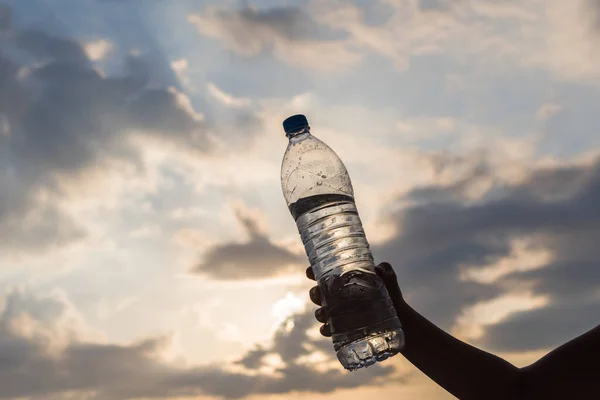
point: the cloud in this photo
(563, 41)
(225, 98)
(287, 32)
(333, 34)
(31, 325)
(257, 258)
(60, 117)
(180, 67)
(445, 234)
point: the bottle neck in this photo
(300, 135)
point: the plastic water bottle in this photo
(364, 325)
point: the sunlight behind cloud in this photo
(98, 49)
(289, 305)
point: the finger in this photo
(321, 315)
(389, 278)
(325, 330)
(315, 295)
(386, 272)
(310, 274)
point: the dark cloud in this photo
(289, 21)
(556, 208)
(41, 45)
(543, 328)
(59, 115)
(253, 358)
(257, 258)
(251, 30)
(30, 326)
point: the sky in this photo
(146, 250)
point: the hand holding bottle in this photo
(383, 270)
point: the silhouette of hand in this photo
(383, 270)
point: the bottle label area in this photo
(334, 239)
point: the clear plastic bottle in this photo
(316, 186)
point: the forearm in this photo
(461, 369)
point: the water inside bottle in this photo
(363, 321)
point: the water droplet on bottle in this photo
(319, 183)
(323, 176)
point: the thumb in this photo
(387, 274)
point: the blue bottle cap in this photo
(295, 123)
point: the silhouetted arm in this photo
(463, 370)
(569, 372)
